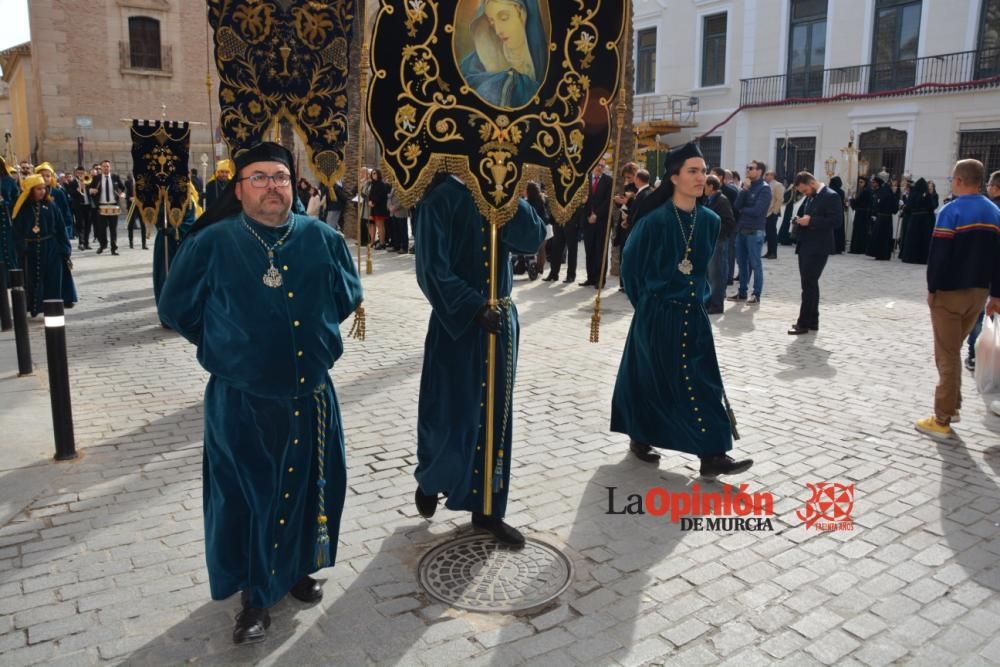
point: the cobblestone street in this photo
(105, 561)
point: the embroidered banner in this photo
(285, 59)
(160, 152)
(497, 92)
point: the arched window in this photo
(144, 42)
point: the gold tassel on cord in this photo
(595, 325)
(358, 327)
(368, 262)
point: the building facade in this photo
(915, 83)
(94, 66)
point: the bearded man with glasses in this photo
(751, 205)
(262, 290)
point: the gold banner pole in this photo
(491, 365)
(620, 109)
(358, 328)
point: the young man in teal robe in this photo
(453, 256)
(262, 292)
(669, 388)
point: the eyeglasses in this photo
(281, 180)
(751, 167)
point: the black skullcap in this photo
(878, 179)
(228, 204)
(674, 160)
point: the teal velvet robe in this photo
(452, 241)
(273, 435)
(8, 197)
(171, 240)
(44, 254)
(61, 201)
(669, 389)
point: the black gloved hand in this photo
(489, 320)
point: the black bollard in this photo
(55, 353)
(6, 323)
(19, 301)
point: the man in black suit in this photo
(107, 189)
(595, 224)
(819, 215)
(83, 207)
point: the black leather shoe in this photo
(114, 252)
(643, 452)
(769, 257)
(723, 464)
(570, 279)
(551, 277)
(426, 505)
(503, 533)
(100, 250)
(307, 590)
(251, 624)
(587, 283)
(796, 330)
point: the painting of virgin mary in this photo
(509, 54)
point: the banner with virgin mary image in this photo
(496, 92)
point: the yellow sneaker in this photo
(932, 427)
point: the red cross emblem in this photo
(831, 503)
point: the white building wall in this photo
(757, 44)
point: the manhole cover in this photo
(476, 573)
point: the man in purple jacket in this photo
(751, 206)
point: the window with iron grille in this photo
(799, 154)
(982, 145)
(144, 42)
(645, 57)
(806, 48)
(711, 148)
(713, 50)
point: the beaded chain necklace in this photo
(686, 266)
(272, 277)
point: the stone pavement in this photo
(104, 562)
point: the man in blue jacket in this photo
(751, 206)
(963, 273)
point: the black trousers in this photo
(595, 245)
(810, 269)
(84, 216)
(134, 222)
(107, 229)
(564, 239)
(771, 234)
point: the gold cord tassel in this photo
(368, 261)
(358, 327)
(595, 324)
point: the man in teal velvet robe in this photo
(669, 388)
(167, 243)
(453, 254)
(262, 292)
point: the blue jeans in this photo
(718, 273)
(977, 328)
(748, 247)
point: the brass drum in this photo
(109, 209)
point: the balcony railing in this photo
(919, 76)
(679, 110)
(136, 65)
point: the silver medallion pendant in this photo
(272, 278)
(685, 267)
